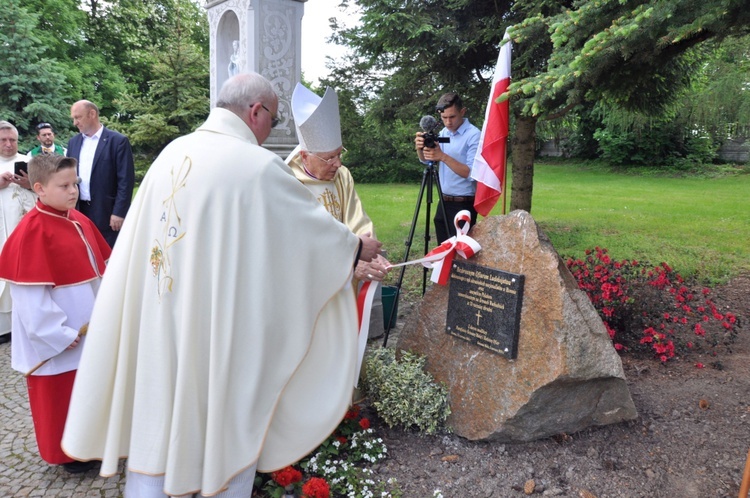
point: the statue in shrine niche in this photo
(234, 59)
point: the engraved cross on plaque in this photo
(478, 315)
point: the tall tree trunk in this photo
(524, 145)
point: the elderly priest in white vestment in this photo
(224, 335)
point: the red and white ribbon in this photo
(364, 307)
(440, 258)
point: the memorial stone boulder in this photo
(566, 375)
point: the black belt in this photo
(451, 198)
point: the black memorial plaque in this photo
(484, 307)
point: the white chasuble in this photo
(224, 332)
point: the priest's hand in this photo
(370, 247)
(375, 270)
(22, 180)
(6, 179)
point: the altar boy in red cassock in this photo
(54, 261)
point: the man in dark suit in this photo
(105, 166)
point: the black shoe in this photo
(4, 338)
(78, 467)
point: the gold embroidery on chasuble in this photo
(172, 231)
(21, 197)
(331, 202)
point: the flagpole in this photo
(505, 189)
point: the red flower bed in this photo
(652, 310)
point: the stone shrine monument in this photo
(565, 376)
(262, 36)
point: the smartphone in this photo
(20, 166)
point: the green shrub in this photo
(403, 393)
(661, 144)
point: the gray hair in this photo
(244, 89)
(6, 125)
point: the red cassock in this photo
(51, 249)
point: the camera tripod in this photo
(430, 178)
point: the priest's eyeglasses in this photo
(274, 119)
(338, 157)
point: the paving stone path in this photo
(23, 473)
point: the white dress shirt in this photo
(86, 163)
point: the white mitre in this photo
(317, 120)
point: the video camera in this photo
(431, 139)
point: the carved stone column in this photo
(268, 36)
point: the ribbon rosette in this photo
(440, 258)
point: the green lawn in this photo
(700, 226)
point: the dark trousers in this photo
(109, 235)
(451, 210)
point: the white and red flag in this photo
(489, 163)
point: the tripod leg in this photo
(408, 243)
(441, 206)
(430, 180)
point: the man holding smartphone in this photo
(16, 199)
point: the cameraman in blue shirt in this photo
(454, 160)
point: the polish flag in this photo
(489, 163)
